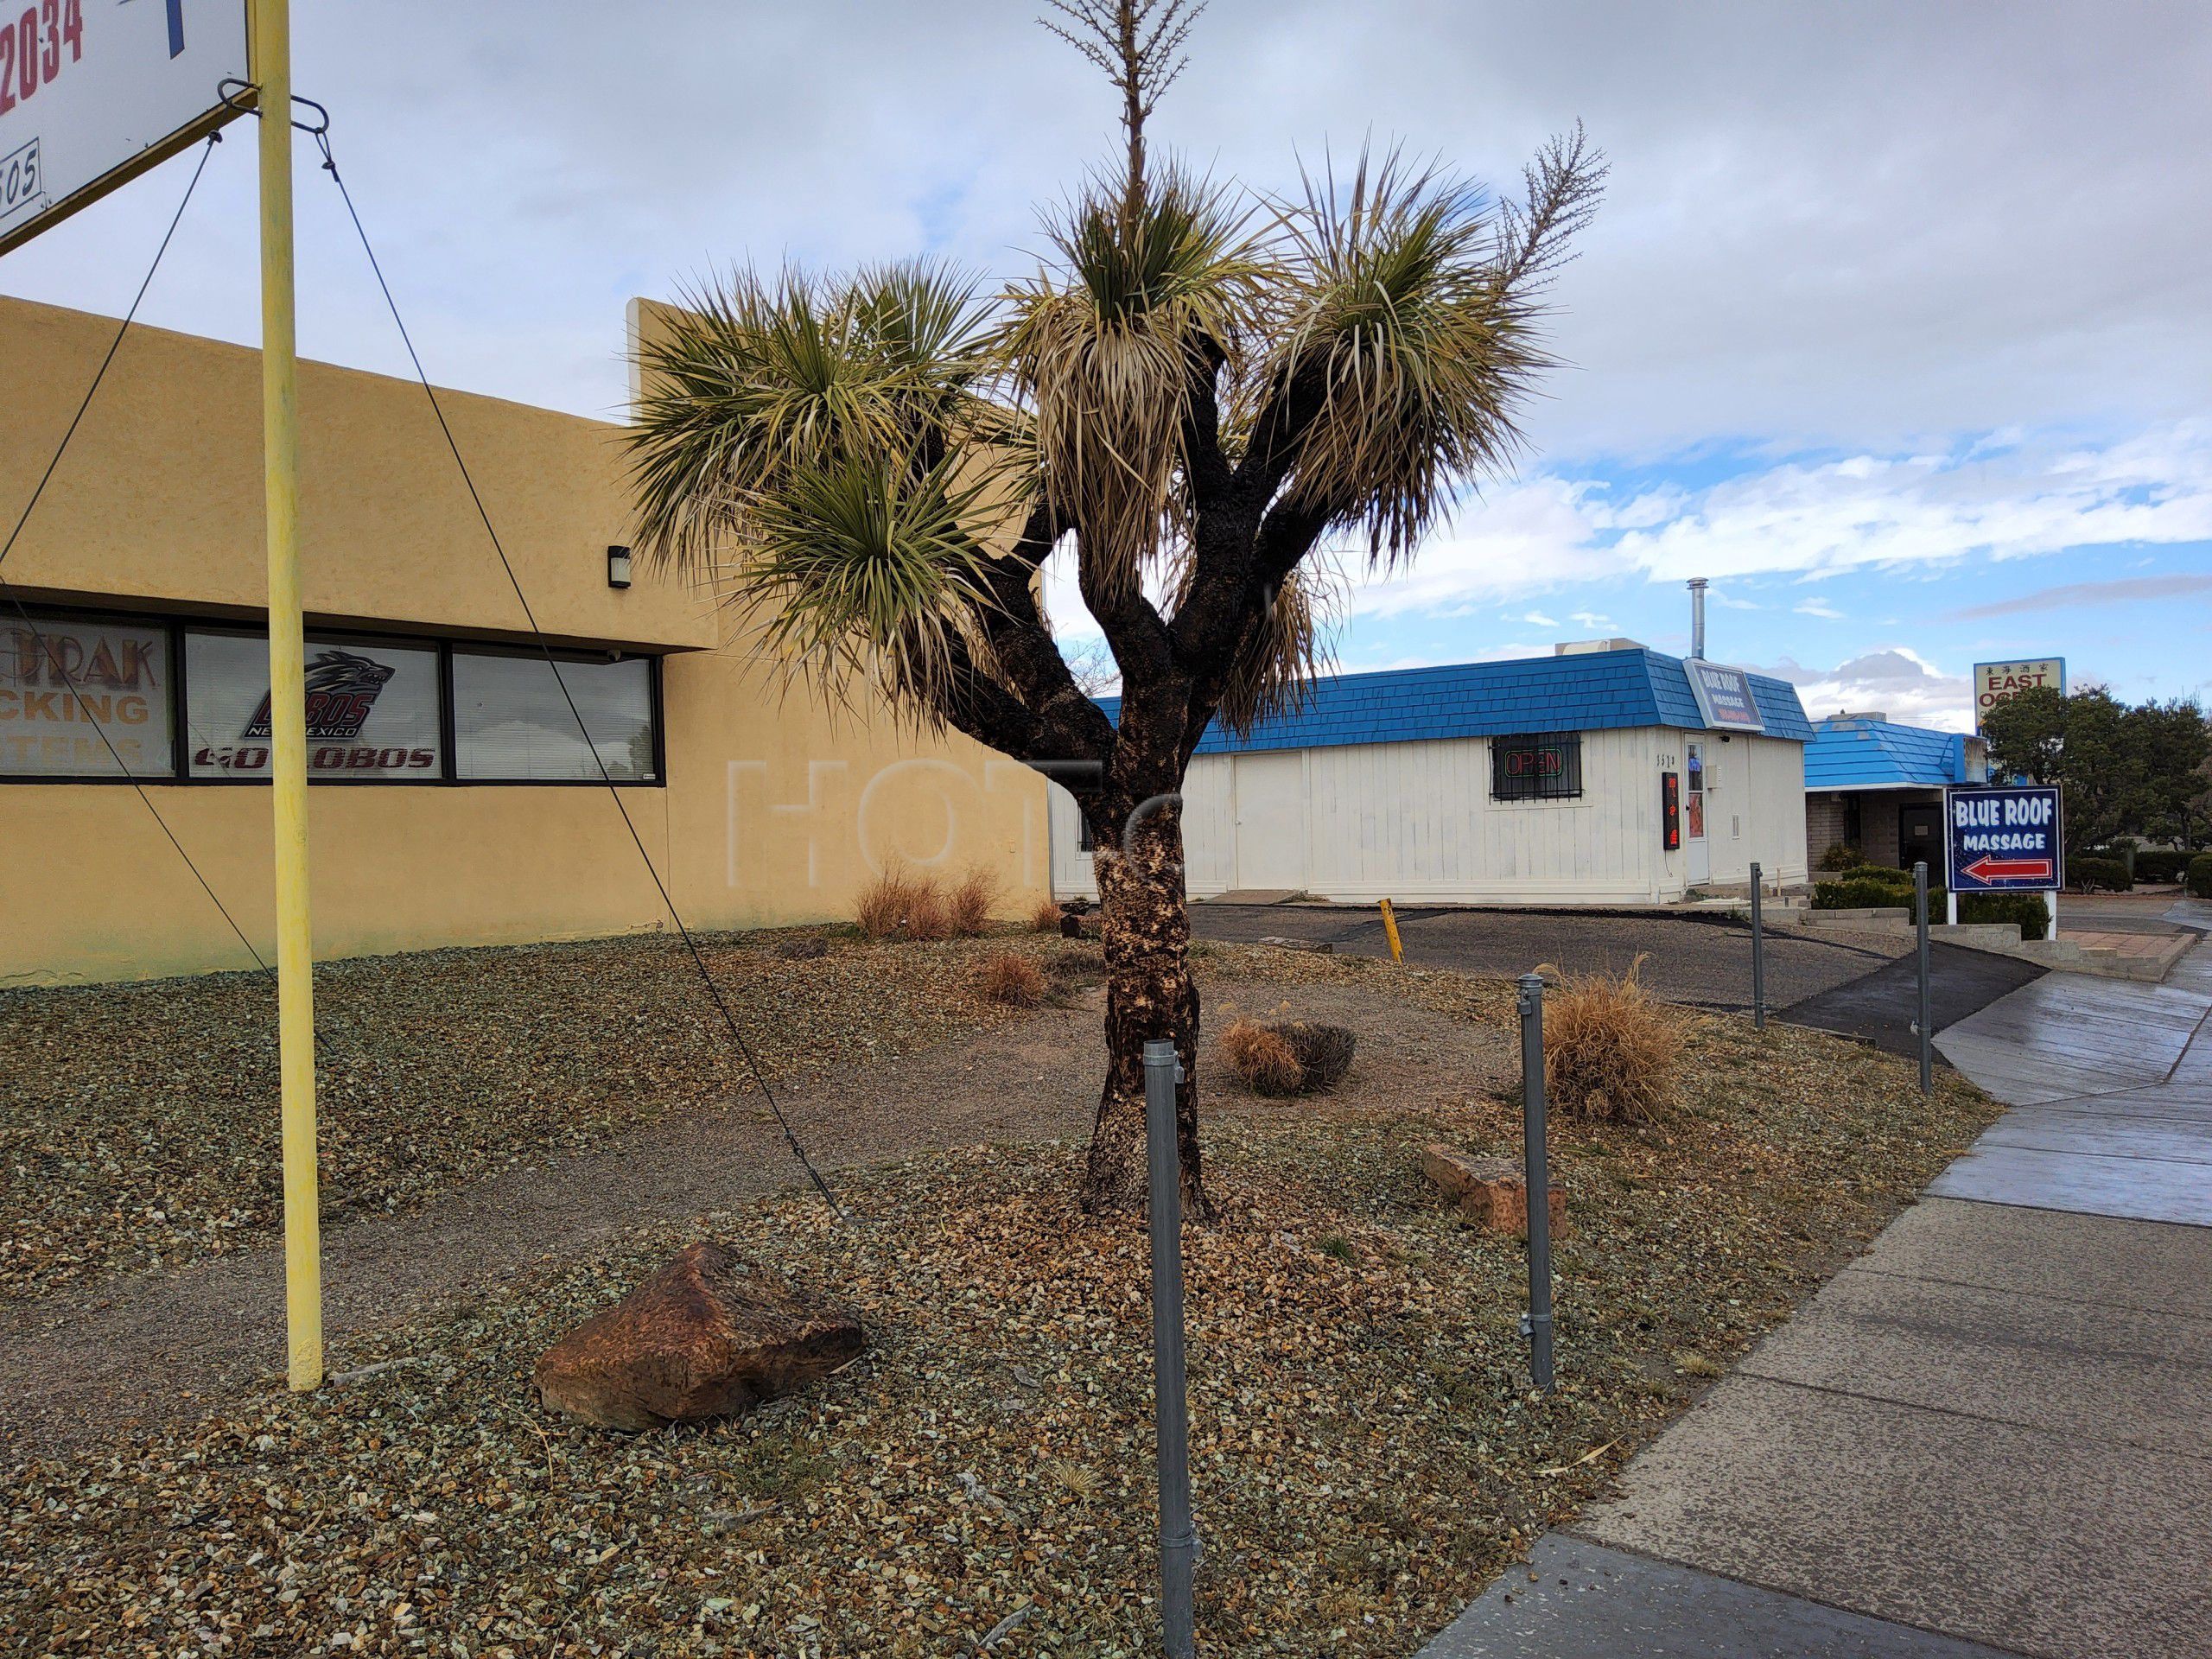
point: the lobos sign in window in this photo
(84, 700)
(373, 709)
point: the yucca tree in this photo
(1204, 394)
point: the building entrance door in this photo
(1920, 836)
(1701, 855)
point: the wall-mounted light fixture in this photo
(618, 566)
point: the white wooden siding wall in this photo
(1754, 808)
(1208, 834)
(1415, 821)
(1778, 802)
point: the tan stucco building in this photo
(456, 801)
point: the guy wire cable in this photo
(30, 507)
(322, 136)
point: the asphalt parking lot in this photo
(1701, 961)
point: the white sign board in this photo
(1996, 683)
(94, 91)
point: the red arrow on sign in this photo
(1987, 869)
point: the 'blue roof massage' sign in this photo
(2003, 840)
(1723, 696)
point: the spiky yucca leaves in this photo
(1285, 652)
(1408, 341)
(1152, 294)
(758, 382)
(859, 570)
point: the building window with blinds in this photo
(373, 709)
(84, 699)
(512, 722)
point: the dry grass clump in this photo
(968, 906)
(1045, 918)
(1288, 1056)
(1612, 1052)
(899, 904)
(1015, 980)
(1262, 1059)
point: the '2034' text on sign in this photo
(2003, 840)
(36, 48)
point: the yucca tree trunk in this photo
(1149, 995)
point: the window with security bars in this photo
(1543, 766)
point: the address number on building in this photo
(22, 181)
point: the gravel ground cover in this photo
(1367, 1454)
(138, 1123)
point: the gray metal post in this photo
(1758, 957)
(1179, 1537)
(1927, 1000)
(1537, 1323)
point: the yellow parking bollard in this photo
(1390, 927)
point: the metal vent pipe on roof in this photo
(1697, 618)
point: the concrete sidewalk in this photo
(1991, 1434)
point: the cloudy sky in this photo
(1897, 324)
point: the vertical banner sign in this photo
(1671, 811)
(2003, 840)
(94, 93)
(1996, 683)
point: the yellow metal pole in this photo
(288, 724)
(1390, 927)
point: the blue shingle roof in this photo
(1858, 754)
(1588, 692)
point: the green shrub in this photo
(1841, 856)
(2200, 876)
(2156, 865)
(1855, 892)
(2097, 875)
(2028, 909)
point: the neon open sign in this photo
(1547, 761)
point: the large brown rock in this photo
(708, 1335)
(1490, 1190)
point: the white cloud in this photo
(1538, 619)
(1818, 607)
(1593, 619)
(1803, 517)
(1912, 514)
(1896, 681)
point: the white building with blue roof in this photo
(1605, 774)
(1878, 787)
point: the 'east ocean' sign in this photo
(2003, 840)
(1723, 696)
